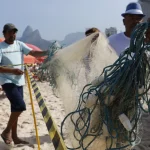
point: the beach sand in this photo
(26, 128)
(145, 143)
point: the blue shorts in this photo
(15, 95)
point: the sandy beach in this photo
(26, 129)
(145, 143)
(26, 124)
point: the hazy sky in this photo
(56, 18)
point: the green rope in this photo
(123, 79)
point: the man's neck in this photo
(128, 34)
(9, 42)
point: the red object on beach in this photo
(2, 39)
(30, 59)
(33, 47)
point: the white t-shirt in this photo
(12, 54)
(119, 42)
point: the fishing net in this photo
(103, 95)
(71, 68)
(43, 72)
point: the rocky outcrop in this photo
(72, 38)
(33, 37)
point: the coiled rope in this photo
(124, 90)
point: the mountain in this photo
(28, 30)
(72, 38)
(33, 37)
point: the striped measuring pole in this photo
(50, 124)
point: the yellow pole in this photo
(29, 87)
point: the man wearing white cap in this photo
(132, 16)
(119, 42)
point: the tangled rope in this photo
(119, 95)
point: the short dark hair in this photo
(91, 30)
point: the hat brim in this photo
(132, 13)
(15, 29)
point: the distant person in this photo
(12, 78)
(91, 31)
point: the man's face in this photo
(130, 21)
(10, 36)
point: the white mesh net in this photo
(75, 66)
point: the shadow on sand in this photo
(31, 140)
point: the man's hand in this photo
(17, 72)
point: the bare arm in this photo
(11, 70)
(38, 53)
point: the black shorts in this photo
(15, 95)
